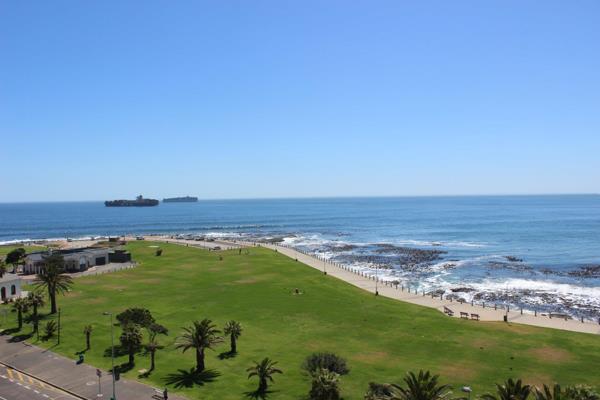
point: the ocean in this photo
(539, 252)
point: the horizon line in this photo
(327, 197)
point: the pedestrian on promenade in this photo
(165, 394)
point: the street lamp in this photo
(112, 346)
(467, 389)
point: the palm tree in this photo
(264, 371)
(234, 330)
(200, 336)
(151, 347)
(20, 306)
(421, 387)
(546, 394)
(510, 390)
(131, 339)
(2, 268)
(87, 331)
(325, 385)
(35, 300)
(52, 278)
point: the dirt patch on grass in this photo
(550, 354)
(458, 372)
(114, 287)
(151, 281)
(96, 300)
(483, 344)
(247, 281)
(372, 357)
(538, 380)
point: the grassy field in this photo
(380, 338)
(4, 250)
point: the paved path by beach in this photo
(60, 377)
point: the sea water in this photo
(539, 252)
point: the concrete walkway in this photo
(80, 381)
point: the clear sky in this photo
(237, 99)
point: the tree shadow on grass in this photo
(188, 379)
(227, 354)
(122, 368)
(119, 351)
(20, 338)
(258, 394)
(8, 331)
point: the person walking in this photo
(165, 394)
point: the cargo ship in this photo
(138, 202)
(186, 199)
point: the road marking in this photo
(20, 376)
(30, 380)
(10, 375)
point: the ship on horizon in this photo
(185, 199)
(139, 201)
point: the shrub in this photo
(328, 361)
(50, 329)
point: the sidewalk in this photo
(79, 380)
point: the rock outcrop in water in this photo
(589, 271)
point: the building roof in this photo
(70, 253)
(9, 278)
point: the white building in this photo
(10, 287)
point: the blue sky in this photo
(237, 99)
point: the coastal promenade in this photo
(485, 312)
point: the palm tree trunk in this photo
(35, 318)
(131, 357)
(52, 296)
(262, 385)
(200, 360)
(20, 319)
(87, 341)
(152, 352)
(233, 345)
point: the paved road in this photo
(63, 373)
(15, 385)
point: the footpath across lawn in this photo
(380, 338)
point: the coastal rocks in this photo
(589, 271)
(513, 259)
(509, 265)
(410, 255)
(462, 290)
(340, 247)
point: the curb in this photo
(45, 381)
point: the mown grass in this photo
(5, 249)
(380, 338)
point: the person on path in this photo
(165, 394)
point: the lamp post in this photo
(112, 356)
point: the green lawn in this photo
(380, 338)
(4, 250)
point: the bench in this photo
(448, 311)
(475, 317)
(464, 315)
(158, 394)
